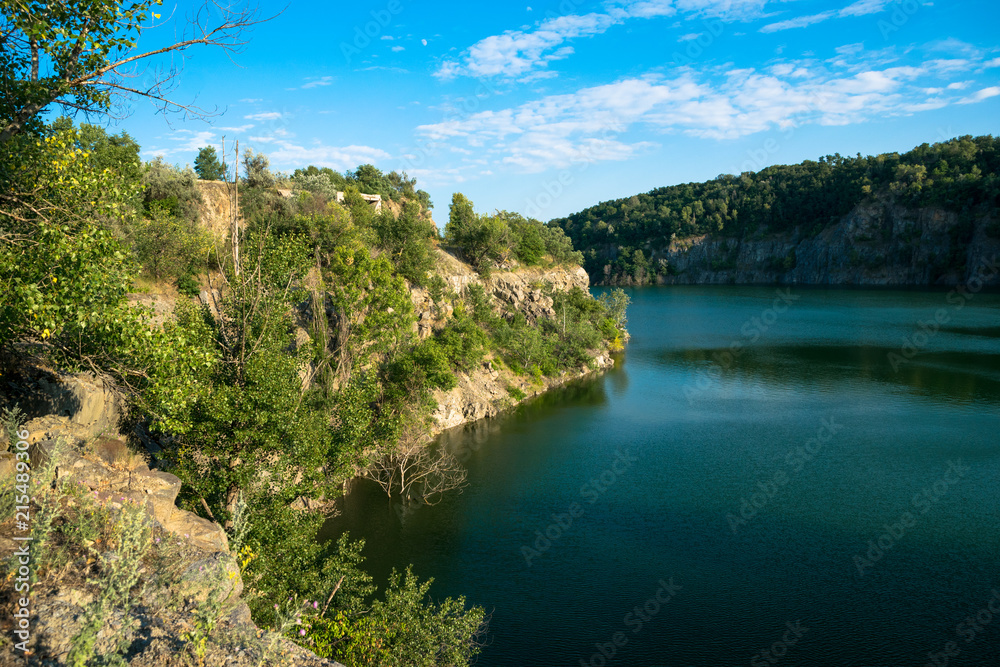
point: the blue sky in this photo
(549, 107)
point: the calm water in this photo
(751, 486)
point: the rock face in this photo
(216, 209)
(192, 567)
(484, 392)
(877, 244)
(522, 289)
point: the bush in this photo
(168, 246)
(407, 239)
(171, 189)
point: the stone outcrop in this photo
(487, 390)
(876, 244)
(522, 289)
(192, 566)
(484, 392)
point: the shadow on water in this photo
(953, 376)
(366, 512)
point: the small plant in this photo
(125, 547)
(516, 393)
(11, 420)
(187, 284)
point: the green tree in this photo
(80, 54)
(208, 166)
(63, 273)
(171, 189)
(407, 238)
(482, 239)
(257, 170)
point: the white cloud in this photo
(336, 157)
(864, 7)
(238, 129)
(269, 115)
(593, 124)
(250, 100)
(799, 22)
(859, 8)
(315, 83)
(397, 49)
(516, 53)
(979, 96)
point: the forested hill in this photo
(926, 208)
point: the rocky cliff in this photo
(491, 387)
(186, 607)
(876, 244)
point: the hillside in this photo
(925, 217)
(261, 366)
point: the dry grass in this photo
(117, 454)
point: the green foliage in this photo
(53, 52)
(551, 345)
(257, 170)
(63, 272)
(516, 393)
(487, 240)
(407, 239)
(957, 175)
(207, 165)
(168, 246)
(406, 628)
(171, 189)
(483, 240)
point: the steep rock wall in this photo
(80, 434)
(877, 244)
(483, 392)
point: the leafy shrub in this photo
(168, 246)
(516, 393)
(171, 189)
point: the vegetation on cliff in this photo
(961, 175)
(304, 367)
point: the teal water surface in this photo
(827, 493)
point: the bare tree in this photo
(82, 54)
(417, 475)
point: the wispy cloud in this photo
(316, 83)
(268, 115)
(593, 124)
(516, 53)
(859, 8)
(288, 154)
(979, 96)
(798, 22)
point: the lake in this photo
(769, 476)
